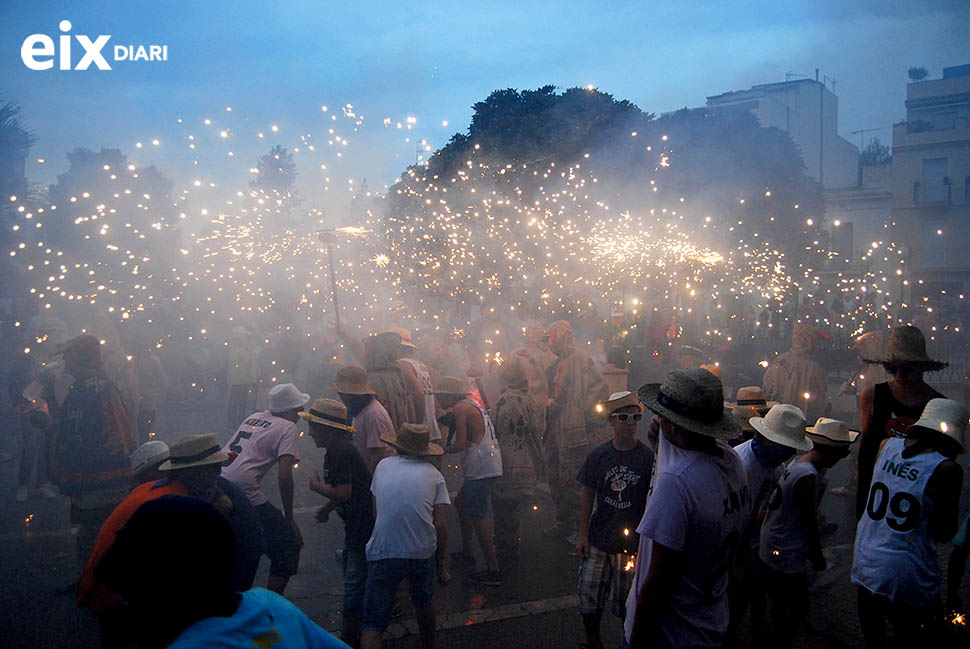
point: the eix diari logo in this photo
(38, 51)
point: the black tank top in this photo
(891, 417)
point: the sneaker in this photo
(21, 494)
(47, 490)
(841, 491)
(557, 531)
(487, 578)
(462, 560)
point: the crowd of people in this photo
(693, 515)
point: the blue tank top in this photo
(895, 554)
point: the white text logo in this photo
(38, 51)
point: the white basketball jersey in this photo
(895, 554)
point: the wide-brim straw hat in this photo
(743, 415)
(945, 416)
(832, 432)
(693, 399)
(352, 379)
(194, 450)
(405, 335)
(908, 345)
(784, 424)
(752, 396)
(150, 454)
(451, 386)
(413, 439)
(327, 412)
(616, 401)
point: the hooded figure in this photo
(573, 427)
(92, 439)
(536, 361)
(795, 378)
(387, 379)
(515, 416)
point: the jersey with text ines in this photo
(259, 442)
(895, 554)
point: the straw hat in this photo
(405, 335)
(694, 400)
(784, 424)
(751, 396)
(352, 379)
(413, 439)
(908, 345)
(149, 454)
(713, 369)
(945, 416)
(451, 386)
(832, 432)
(286, 396)
(616, 401)
(194, 450)
(327, 412)
(743, 415)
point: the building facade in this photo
(931, 183)
(808, 112)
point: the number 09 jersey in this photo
(895, 554)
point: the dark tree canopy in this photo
(875, 153)
(918, 73)
(571, 160)
(276, 171)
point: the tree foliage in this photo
(875, 153)
(275, 171)
(570, 160)
(918, 73)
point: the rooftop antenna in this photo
(861, 132)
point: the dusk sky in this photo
(279, 62)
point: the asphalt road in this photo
(536, 607)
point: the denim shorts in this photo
(355, 582)
(474, 495)
(383, 577)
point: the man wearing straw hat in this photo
(189, 468)
(410, 537)
(776, 437)
(365, 414)
(346, 485)
(693, 519)
(615, 477)
(889, 409)
(913, 504)
(263, 440)
(790, 532)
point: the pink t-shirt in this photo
(259, 442)
(369, 424)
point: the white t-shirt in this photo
(761, 480)
(698, 506)
(784, 540)
(260, 441)
(406, 489)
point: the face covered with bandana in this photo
(770, 454)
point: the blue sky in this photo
(279, 62)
